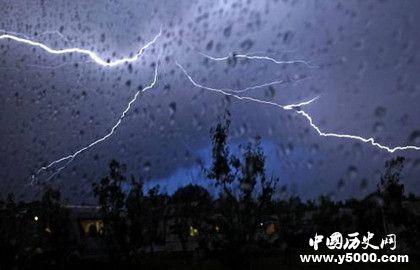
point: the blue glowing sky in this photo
(366, 76)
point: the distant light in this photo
(193, 231)
(36, 218)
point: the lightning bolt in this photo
(71, 157)
(254, 86)
(257, 57)
(226, 93)
(55, 32)
(253, 57)
(298, 110)
(95, 58)
(49, 32)
(370, 140)
(92, 55)
(258, 86)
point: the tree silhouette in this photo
(239, 213)
(390, 186)
(155, 206)
(135, 217)
(38, 233)
(391, 190)
(111, 200)
(35, 233)
(191, 206)
(54, 225)
(221, 170)
(9, 232)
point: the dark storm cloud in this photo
(367, 53)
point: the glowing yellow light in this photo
(193, 231)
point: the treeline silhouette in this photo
(246, 221)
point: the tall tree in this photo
(392, 192)
(111, 200)
(390, 186)
(135, 216)
(221, 171)
(240, 212)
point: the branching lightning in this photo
(226, 93)
(95, 58)
(49, 32)
(55, 32)
(254, 86)
(235, 56)
(92, 55)
(71, 157)
(258, 57)
(298, 110)
(258, 86)
(371, 140)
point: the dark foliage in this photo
(247, 221)
(36, 233)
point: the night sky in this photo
(364, 65)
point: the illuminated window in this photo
(92, 227)
(270, 229)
